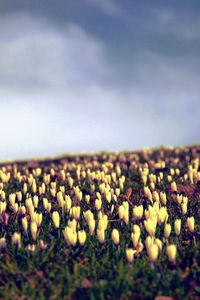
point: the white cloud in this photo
(56, 124)
(35, 55)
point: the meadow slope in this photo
(102, 226)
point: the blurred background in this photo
(94, 75)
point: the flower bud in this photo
(87, 199)
(190, 223)
(167, 230)
(130, 254)
(121, 211)
(149, 241)
(173, 186)
(171, 252)
(115, 236)
(76, 212)
(2, 244)
(72, 224)
(108, 196)
(16, 239)
(136, 229)
(34, 230)
(62, 175)
(163, 198)
(70, 236)
(126, 216)
(184, 208)
(16, 207)
(68, 202)
(177, 226)
(25, 224)
(53, 192)
(91, 225)
(138, 212)
(98, 204)
(45, 203)
(153, 251)
(34, 186)
(135, 238)
(56, 219)
(70, 181)
(162, 215)
(117, 192)
(158, 242)
(12, 198)
(25, 188)
(150, 227)
(101, 235)
(31, 248)
(81, 237)
(49, 207)
(98, 195)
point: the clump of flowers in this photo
(92, 200)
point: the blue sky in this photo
(96, 75)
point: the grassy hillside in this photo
(104, 226)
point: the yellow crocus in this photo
(16, 239)
(35, 201)
(68, 202)
(25, 224)
(177, 226)
(136, 229)
(138, 212)
(184, 208)
(150, 227)
(158, 242)
(56, 219)
(115, 236)
(34, 230)
(76, 210)
(121, 212)
(91, 225)
(72, 224)
(108, 196)
(163, 198)
(82, 237)
(98, 204)
(171, 252)
(153, 251)
(167, 230)
(12, 198)
(135, 236)
(101, 235)
(70, 182)
(70, 236)
(190, 223)
(126, 216)
(130, 254)
(173, 186)
(149, 241)
(45, 203)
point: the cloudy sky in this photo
(91, 75)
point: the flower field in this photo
(102, 226)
